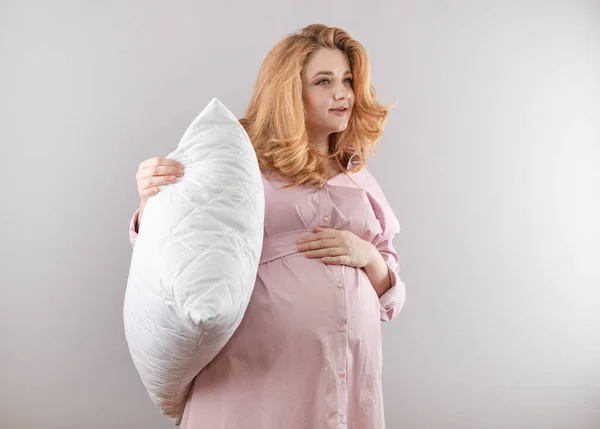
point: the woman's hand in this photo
(345, 248)
(338, 247)
(153, 173)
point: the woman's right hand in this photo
(152, 174)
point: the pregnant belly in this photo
(306, 297)
(303, 303)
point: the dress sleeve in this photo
(393, 300)
(132, 234)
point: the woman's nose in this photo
(341, 93)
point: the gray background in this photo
(491, 161)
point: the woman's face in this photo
(327, 92)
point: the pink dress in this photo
(307, 354)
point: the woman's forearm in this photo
(139, 217)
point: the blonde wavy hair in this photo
(275, 116)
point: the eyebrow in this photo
(328, 73)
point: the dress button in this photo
(325, 219)
(343, 419)
(340, 285)
(342, 328)
(342, 374)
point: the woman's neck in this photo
(321, 144)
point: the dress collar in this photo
(354, 159)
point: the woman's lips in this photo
(339, 112)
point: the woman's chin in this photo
(334, 127)
(341, 127)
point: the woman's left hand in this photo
(338, 247)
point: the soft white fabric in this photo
(194, 264)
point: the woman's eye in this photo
(348, 79)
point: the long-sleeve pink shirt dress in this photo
(307, 354)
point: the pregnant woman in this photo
(307, 354)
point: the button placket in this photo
(342, 361)
(326, 213)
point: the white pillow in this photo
(194, 264)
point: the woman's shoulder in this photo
(368, 182)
